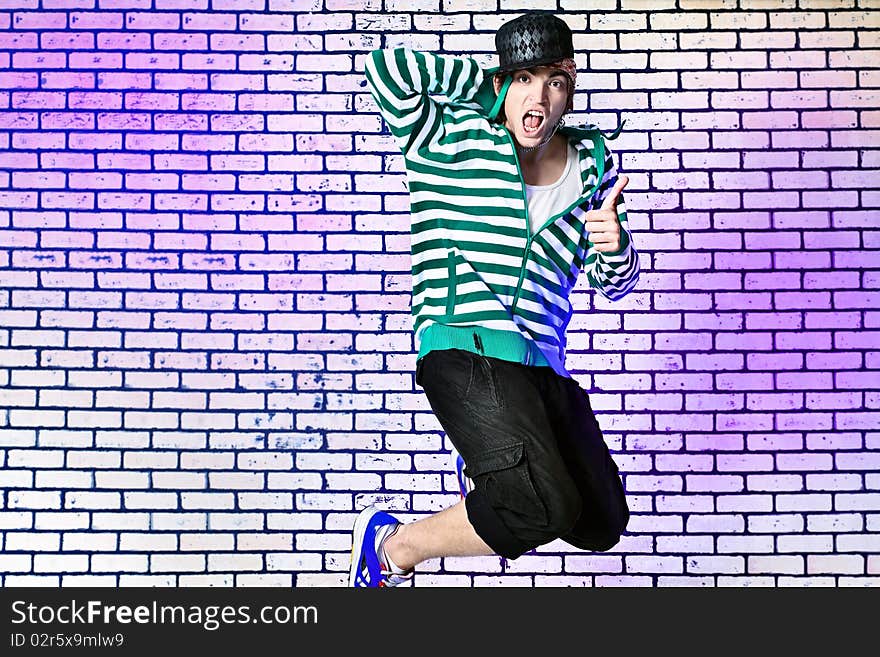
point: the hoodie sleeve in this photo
(408, 85)
(613, 275)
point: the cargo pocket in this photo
(504, 475)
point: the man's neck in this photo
(544, 165)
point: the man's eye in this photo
(523, 78)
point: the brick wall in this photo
(206, 351)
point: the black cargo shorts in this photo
(533, 448)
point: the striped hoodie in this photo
(481, 280)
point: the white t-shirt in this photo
(548, 200)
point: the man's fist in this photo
(602, 226)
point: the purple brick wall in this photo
(206, 354)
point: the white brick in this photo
(858, 543)
(805, 581)
(843, 564)
(61, 563)
(15, 563)
(263, 580)
(160, 563)
(121, 520)
(148, 580)
(235, 562)
(52, 581)
(105, 581)
(119, 563)
(702, 565)
(755, 581)
(804, 543)
(33, 500)
(89, 542)
(293, 562)
(294, 521)
(32, 542)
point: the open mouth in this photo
(532, 121)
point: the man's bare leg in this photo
(447, 533)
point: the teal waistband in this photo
(479, 340)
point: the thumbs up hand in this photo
(602, 226)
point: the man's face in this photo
(535, 102)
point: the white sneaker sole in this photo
(360, 528)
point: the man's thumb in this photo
(611, 200)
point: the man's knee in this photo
(601, 527)
(536, 518)
(535, 509)
(612, 533)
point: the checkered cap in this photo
(533, 39)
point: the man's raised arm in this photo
(407, 84)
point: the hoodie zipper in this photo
(549, 221)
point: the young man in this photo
(507, 208)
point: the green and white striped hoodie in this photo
(481, 281)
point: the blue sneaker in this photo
(367, 570)
(465, 483)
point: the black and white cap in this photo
(533, 39)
